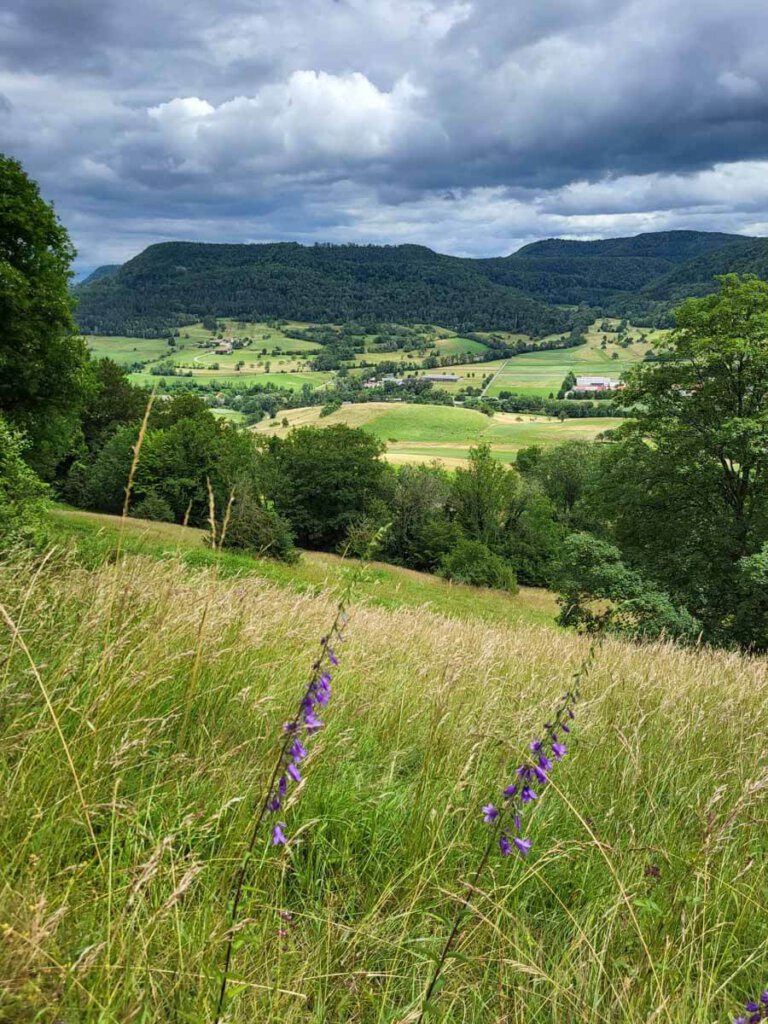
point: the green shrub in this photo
(257, 527)
(22, 493)
(153, 507)
(470, 561)
(598, 591)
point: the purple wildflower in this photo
(282, 786)
(490, 813)
(546, 750)
(278, 836)
(523, 846)
(312, 722)
(294, 772)
(274, 804)
(756, 1012)
(505, 846)
(290, 727)
(332, 657)
(298, 750)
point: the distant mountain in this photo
(172, 281)
(108, 270)
(666, 246)
(747, 256)
(560, 271)
(535, 290)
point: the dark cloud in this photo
(470, 125)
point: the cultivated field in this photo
(142, 709)
(542, 373)
(421, 433)
(273, 357)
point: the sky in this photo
(470, 126)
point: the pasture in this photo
(422, 433)
(143, 699)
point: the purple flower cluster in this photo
(531, 778)
(756, 1010)
(306, 723)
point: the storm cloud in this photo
(471, 126)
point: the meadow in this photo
(542, 373)
(422, 433)
(143, 698)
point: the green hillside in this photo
(328, 283)
(173, 283)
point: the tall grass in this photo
(645, 897)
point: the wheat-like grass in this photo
(646, 898)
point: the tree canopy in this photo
(44, 377)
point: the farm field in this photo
(144, 696)
(423, 433)
(291, 381)
(126, 351)
(542, 373)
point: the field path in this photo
(501, 369)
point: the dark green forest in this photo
(547, 287)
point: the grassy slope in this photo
(147, 725)
(426, 432)
(386, 586)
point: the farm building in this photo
(224, 348)
(441, 378)
(597, 384)
(397, 381)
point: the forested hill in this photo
(559, 270)
(175, 282)
(325, 283)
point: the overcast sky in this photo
(471, 126)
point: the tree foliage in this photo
(44, 377)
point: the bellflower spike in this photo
(547, 750)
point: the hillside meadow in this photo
(422, 433)
(142, 702)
